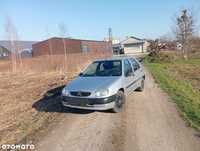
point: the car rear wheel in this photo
(141, 88)
(119, 102)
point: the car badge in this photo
(79, 93)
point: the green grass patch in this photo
(184, 94)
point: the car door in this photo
(137, 73)
(128, 76)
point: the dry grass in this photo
(18, 93)
(24, 109)
(73, 64)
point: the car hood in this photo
(91, 83)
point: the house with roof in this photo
(131, 45)
(4, 52)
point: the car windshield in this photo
(104, 68)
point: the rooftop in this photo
(74, 39)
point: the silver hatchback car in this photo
(104, 84)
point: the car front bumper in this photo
(89, 103)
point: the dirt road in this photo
(150, 122)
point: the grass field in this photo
(181, 80)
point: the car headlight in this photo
(102, 93)
(65, 92)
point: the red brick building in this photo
(55, 46)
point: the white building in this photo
(131, 45)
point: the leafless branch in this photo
(185, 30)
(13, 37)
(63, 34)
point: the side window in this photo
(136, 66)
(127, 68)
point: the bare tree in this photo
(185, 28)
(154, 47)
(49, 45)
(63, 34)
(12, 36)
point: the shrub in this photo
(163, 56)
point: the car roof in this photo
(114, 58)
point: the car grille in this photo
(80, 93)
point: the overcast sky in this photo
(90, 19)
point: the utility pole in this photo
(110, 38)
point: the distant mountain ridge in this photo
(25, 45)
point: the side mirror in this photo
(140, 60)
(80, 74)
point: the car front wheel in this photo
(119, 102)
(141, 88)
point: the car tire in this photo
(141, 88)
(119, 102)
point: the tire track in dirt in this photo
(119, 131)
